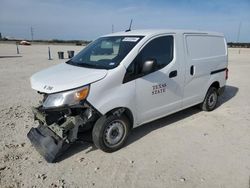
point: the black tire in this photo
(211, 100)
(101, 132)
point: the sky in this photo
(89, 19)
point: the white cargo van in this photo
(123, 80)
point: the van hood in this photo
(65, 77)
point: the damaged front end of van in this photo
(61, 117)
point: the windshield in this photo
(105, 52)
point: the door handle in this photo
(173, 74)
(192, 70)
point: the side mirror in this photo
(148, 66)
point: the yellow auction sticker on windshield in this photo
(130, 39)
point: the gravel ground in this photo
(188, 149)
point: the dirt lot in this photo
(188, 149)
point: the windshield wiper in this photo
(70, 62)
(86, 65)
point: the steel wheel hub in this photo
(212, 100)
(114, 133)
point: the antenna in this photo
(129, 29)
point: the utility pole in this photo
(32, 33)
(112, 28)
(238, 35)
(49, 53)
(17, 49)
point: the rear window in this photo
(201, 47)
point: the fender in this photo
(218, 77)
(108, 94)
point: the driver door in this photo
(158, 92)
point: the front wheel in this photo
(110, 132)
(211, 99)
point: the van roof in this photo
(147, 32)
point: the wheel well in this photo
(125, 111)
(216, 85)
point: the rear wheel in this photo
(110, 133)
(211, 99)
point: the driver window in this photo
(160, 49)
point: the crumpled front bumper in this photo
(58, 128)
(47, 143)
(51, 140)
